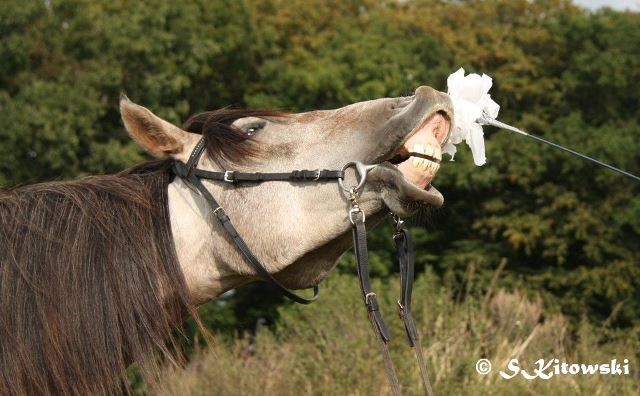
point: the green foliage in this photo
(64, 64)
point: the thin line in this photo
(485, 120)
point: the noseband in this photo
(404, 245)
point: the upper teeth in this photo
(424, 163)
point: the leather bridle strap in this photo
(257, 177)
(406, 261)
(192, 175)
(359, 232)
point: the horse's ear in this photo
(151, 132)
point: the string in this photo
(485, 119)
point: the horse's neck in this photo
(205, 256)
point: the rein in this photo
(404, 246)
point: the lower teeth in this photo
(425, 164)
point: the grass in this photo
(328, 348)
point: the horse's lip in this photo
(436, 109)
(429, 196)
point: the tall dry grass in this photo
(328, 348)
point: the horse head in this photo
(297, 230)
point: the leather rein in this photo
(404, 246)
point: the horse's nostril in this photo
(426, 91)
(401, 102)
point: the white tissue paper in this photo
(470, 97)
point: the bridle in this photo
(190, 173)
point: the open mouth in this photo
(418, 157)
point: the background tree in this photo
(561, 226)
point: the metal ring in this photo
(216, 210)
(317, 175)
(361, 170)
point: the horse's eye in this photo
(253, 127)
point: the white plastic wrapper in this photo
(470, 97)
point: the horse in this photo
(96, 273)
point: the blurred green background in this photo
(561, 230)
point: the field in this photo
(328, 348)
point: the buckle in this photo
(369, 296)
(354, 211)
(228, 176)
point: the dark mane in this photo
(89, 282)
(223, 139)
